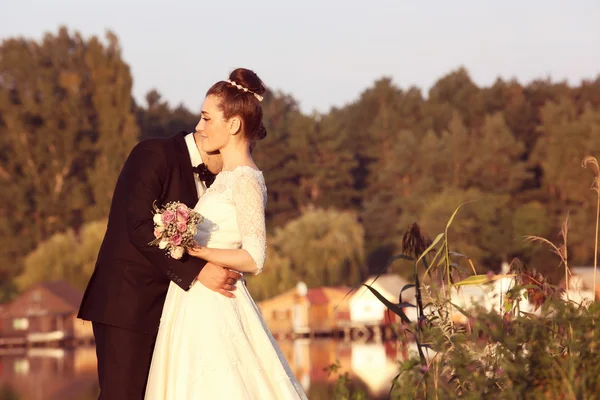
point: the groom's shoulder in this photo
(156, 144)
(161, 145)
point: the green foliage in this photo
(551, 356)
(158, 119)
(512, 152)
(66, 127)
(345, 388)
(455, 91)
(325, 247)
(8, 291)
(483, 230)
(277, 277)
(392, 156)
(327, 179)
(506, 354)
(278, 157)
(322, 247)
(69, 255)
(568, 135)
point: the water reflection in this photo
(40, 374)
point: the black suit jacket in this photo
(131, 278)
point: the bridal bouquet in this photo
(174, 228)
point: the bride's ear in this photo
(235, 126)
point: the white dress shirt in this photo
(196, 159)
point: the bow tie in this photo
(204, 174)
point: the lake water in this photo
(40, 374)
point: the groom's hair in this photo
(236, 102)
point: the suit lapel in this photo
(188, 183)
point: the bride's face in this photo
(214, 130)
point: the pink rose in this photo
(168, 217)
(181, 227)
(183, 214)
(157, 233)
(175, 240)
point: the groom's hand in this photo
(219, 279)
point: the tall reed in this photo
(592, 162)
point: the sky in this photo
(326, 52)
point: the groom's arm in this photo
(145, 173)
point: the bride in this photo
(210, 346)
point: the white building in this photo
(490, 296)
(366, 309)
(581, 285)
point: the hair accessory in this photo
(245, 89)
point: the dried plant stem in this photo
(561, 251)
(436, 377)
(592, 163)
(448, 272)
(567, 382)
(596, 244)
(564, 232)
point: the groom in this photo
(125, 295)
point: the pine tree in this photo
(66, 128)
(276, 156)
(495, 158)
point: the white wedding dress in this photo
(210, 346)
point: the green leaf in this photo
(437, 239)
(406, 304)
(500, 276)
(530, 315)
(461, 310)
(458, 267)
(395, 308)
(473, 280)
(391, 261)
(481, 279)
(406, 287)
(394, 382)
(525, 287)
(454, 214)
(454, 253)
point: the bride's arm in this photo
(249, 197)
(237, 259)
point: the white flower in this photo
(158, 220)
(193, 229)
(177, 252)
(163, 244)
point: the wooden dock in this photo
(55, 339)
(356, 333)
(13, 342)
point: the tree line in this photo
(343, 185)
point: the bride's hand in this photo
(198, 251)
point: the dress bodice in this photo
(233, 210)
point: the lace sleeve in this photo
(249, 196)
